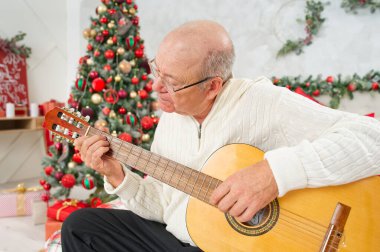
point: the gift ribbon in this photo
(20, 201)
(66, 204)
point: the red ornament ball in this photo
(143, 94)
(98, 84)
(104, 20)
(155, 120)
(122, 93)
(87, 111)
(148, 87)
(42, 182)
(139, 53)
(122, 111)
(144, 77)
(126, 137)
(68, 180)
(147, 123)
(89, 47)
(135, 80)
(49, 170)
(128, 1)
(77, 159)
(58, 147)
(351, 87)
(109, 54)
(80, 83)
(131, 119)
(46, 186)
(135, 21)
(58, 175)
(93, 74)
(45, 196)
(330, 79)
(375, 86)
(316, 92)
(105, 33)
(97, 53)
(107, 67)
(106, 111)
(88, 182)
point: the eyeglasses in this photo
(156, 74)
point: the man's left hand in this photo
(245, 192)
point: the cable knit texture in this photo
(306, 145)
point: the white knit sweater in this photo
(306, 145)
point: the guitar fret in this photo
(183, 169)
(169, 182)
(147, 161)
(118, 150)
(195, 182)
(200, 188)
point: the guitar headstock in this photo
(66, 123)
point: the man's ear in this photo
(214, 87)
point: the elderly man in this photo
(306, 145)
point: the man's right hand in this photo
(92, 150)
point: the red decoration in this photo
(80, 83)
(58, 175)
(126, 137)
(95, 202)
(93, 74)
(144, 77)
(68, 180)
(148, 87)
(129, 1)
(48, 170)
(135, 21)
(155, 120)
(351, 87)
(77, 159)
(58, 147)
(109, 54)
(45, 196)
(98, 84)
(63, 208)
(88, 182)
(139, 53)
(13, 84)
(87, 111)
(146, 123)
(375, 86)
(97, 53)
(122, 93)
(89, 47)
(139, 105)
(104, 20)
(131, 119)
(131, 42)
(111, 96)
(330, 79)
(106, 111)
(300, 91)
(42, 182)
(143, 94)
(122, 111)
(316, 92)
(111, 11)
(135, 80)
(47, 186)
(105, 33)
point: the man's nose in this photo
(158, 85)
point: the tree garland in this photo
(10, 45)
(353, 5)
(335, 87)
(313, 22)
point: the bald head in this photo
(203, 43)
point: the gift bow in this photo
(66, 204)
(20, 201)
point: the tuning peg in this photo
(87, 118)
(71, 110)
(79, 125)
(66, 132)
(78, 114)
(75, 135)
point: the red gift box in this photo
(63, 208)
(49, 105)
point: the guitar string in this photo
(141, 154)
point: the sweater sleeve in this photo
(325, 146)
(144, 197)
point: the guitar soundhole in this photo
(263, 221)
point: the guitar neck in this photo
(185, 179)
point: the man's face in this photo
(174, 71)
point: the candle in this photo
(10, 110)
(33, 110)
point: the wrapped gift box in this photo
(52, 226)
(18, 201)
(49, 105)
(63, 208)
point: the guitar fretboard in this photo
(183, 178)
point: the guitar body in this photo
(302, 219)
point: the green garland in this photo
(335, 87)
(354, 5)
(313, 22)
(10, 45)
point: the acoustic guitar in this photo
(344, 218)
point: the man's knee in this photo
(77, 220)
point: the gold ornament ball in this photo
(96, 98)
(132, 11)
(101, 123)
(117, 78)
(90, 62)
(155, 106)
(112, 114)
(92, 33)
(111, 25)
(102, 9)
(114, 134)
(71, 165)
(145, 137)
(132, 62)
(120, 51)
(125, 67)
(110, 41)
(133, 94)
(87, 33)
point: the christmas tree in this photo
(113, 90)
